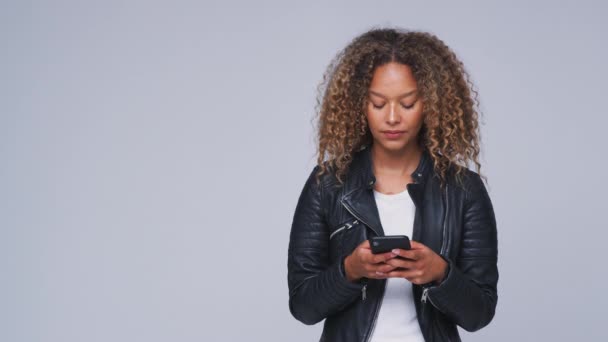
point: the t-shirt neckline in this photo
(390, 196)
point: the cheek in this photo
(369, 116)
(418, 115)
(374, 118)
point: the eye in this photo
(410, 106)
(377, 106)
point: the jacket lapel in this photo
(359, 199)
(362, 204)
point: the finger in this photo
(398, 273)
(381, 269)
(365, 244)
(384, 268)
(399, 262)
(416, 245)
(410, 254)
(403, 273)
(400, 251)
(382, 257)
(379, 276)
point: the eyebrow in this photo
(400, 96)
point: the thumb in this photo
(416, 245)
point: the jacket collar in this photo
(358, 196)
(361, 171)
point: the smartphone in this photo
(383, 244)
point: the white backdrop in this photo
(152, 153)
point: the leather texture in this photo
(331, 220)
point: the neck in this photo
(395, 163)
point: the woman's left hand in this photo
(422, 265)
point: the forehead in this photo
(392, 79)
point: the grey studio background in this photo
(152, 153)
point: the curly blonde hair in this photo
(450, 130)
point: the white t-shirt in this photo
(397, 319)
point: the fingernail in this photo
(395, 251)
(379, 273)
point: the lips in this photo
(392, 134)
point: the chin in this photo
(393, 145)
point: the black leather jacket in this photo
(330, 221)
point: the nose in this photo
(393, 117)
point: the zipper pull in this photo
(350, 225)
(364, 292)
(425, 294)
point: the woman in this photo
(397, 124)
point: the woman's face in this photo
(394, 108)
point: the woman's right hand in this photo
(363, 263)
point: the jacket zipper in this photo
(443, 245)
(445, 218)
(371, 333)
(425, 295)
(364, 289)
(345, 226)
(357, 217)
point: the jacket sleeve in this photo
(468, 293)
(317, 288)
